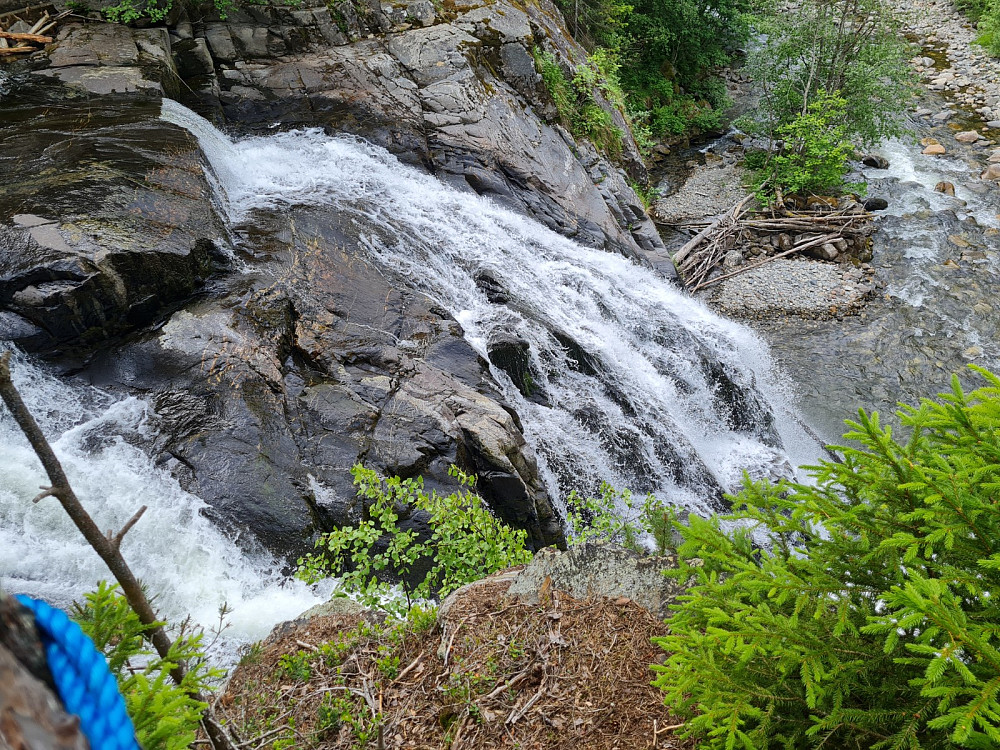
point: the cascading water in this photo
(616, 375)
(175, 550)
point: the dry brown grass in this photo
(496, 673)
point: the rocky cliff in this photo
(277, 359)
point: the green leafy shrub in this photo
(871, 620)
(130, 11)
(467, 542)
(165, 715)
(575, 103)
(815, 152)
(617, 517)
(989, 26)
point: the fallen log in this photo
(36, 38)
(39, 23)
(798, 248)
(691, 244)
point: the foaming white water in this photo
(624, 381)
(921, 173)
(177, 552)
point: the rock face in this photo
(86, 252)
(452, 89)
(269, 384)
(604, 570)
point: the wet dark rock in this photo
(87, 254)
(446, 91)
(876, 204)
(741, 404)
(267, 385)
(875, 161)
(514, 358)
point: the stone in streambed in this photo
(967, 136)
(935, 149)
(876, 204)
(875, 161)
(945, 187)
(992, 172)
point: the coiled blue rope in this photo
(85, 684)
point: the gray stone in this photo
(733, 259)
(220, 43)
(600, 570)
(337, 605)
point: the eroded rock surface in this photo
(269, 382)
(452, 90)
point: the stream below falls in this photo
(939, 258)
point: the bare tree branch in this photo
(106, 547)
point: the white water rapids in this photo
(178, 553)
(623, 359)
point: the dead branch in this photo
(116, 539)
(107, 548)
(744, 269)
(691, 244)
(790, 231)
(37, 38)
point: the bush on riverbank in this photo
(872, 622)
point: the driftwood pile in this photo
(822, 232)
(19, 36)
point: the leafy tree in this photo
(870, 618)
(666, 52)
(814, 153)
(467, 542)
(853, 47)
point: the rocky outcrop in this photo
(87, 250)
(268, 385)
(600, 570)
(452, 89)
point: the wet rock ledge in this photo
(276, 362)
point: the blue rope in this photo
(85, 684)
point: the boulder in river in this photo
(876, 204)
(875, 161)
(945, 187)
(967, 136)
(935, 149)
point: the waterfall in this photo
(616, 374)
(173, 549)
